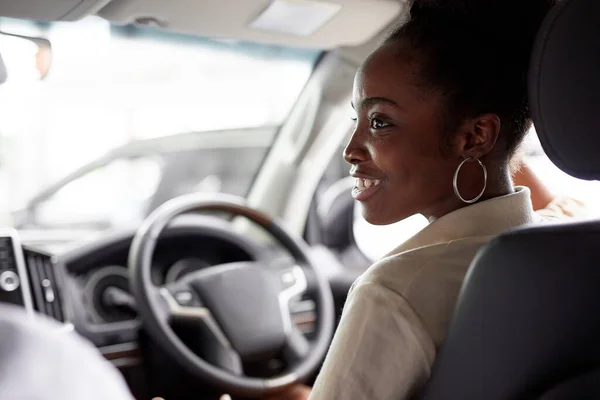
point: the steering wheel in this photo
(244, 306)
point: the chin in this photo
(375, 217)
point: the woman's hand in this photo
(295, 392)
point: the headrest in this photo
(3, 73)
(564, 87)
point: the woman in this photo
(441, 108)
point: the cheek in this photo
(400, 158)
(415, 167)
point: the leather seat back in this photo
(527, 324)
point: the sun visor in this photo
(50, 10)
(326, 24)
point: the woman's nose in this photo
(355, 152)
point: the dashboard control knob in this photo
(9, 281)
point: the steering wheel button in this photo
(288, 278)
(184, 298)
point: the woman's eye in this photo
(354, 119)
(377, 123)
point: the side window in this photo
(114, 194)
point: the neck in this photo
(499, 184)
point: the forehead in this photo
(388, 72)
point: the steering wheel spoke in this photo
(296, 348)
(184, 305)
(293, 284)
(182, 300)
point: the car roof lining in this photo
(354, 25)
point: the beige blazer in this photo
(398, 311)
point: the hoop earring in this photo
(455, 182)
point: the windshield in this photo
(127, 118)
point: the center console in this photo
(14, 280)
(30, 279)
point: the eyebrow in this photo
(371, 101)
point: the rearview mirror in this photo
(24, 57)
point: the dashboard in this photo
(87, 288)
(103, 285)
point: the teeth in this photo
(362, 184)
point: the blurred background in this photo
(99, 87)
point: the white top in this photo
(398, 311)
(38, 361)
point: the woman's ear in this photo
(477, 137)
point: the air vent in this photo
(44, 284)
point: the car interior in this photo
(209, 287)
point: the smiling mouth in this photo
(364, 188)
